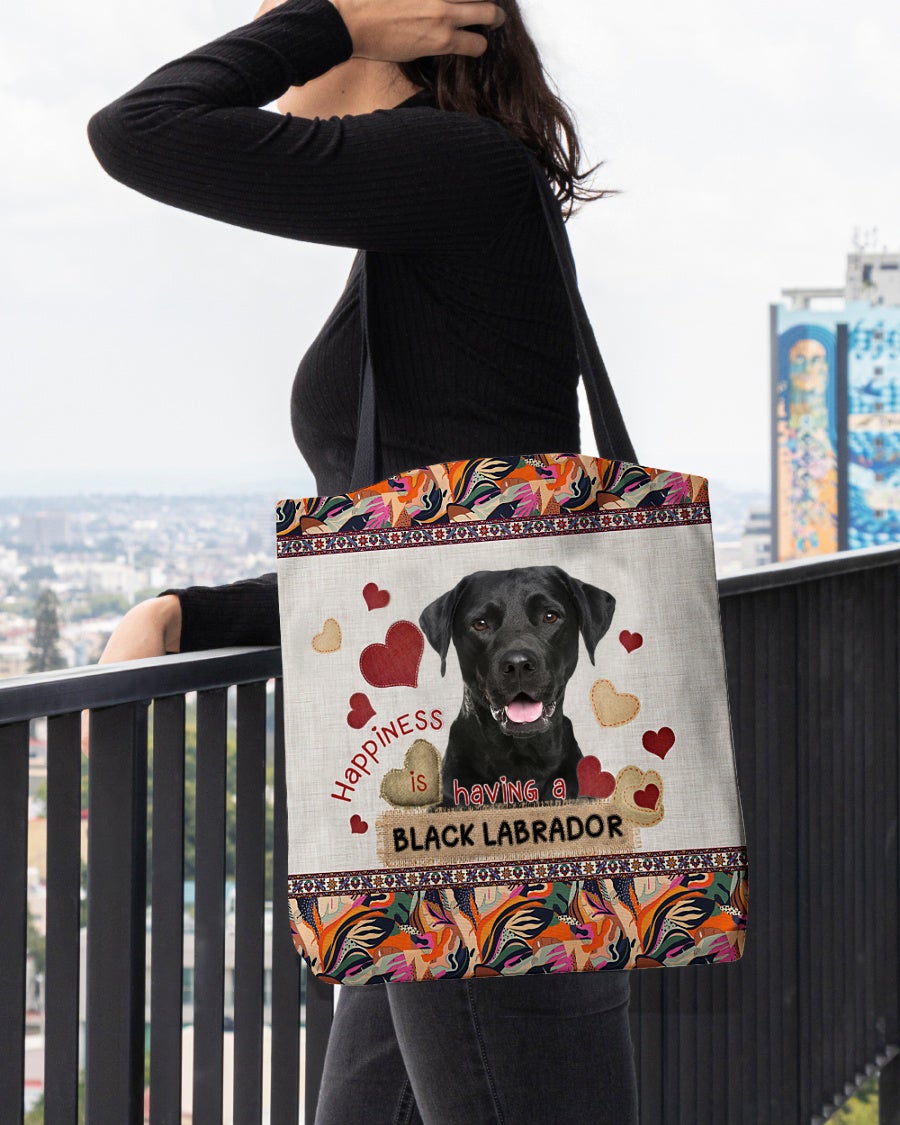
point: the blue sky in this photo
(145, 348)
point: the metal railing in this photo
(780, 1037)
(118, 697)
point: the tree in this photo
(45, 655)
(41, 572)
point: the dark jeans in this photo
(483, 1051)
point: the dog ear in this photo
(595, 609)
(436, 621)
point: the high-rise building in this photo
(836, 412)
(756, 540)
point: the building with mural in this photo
(836, 413)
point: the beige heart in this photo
(632, 787)
(419, 782)
(613, 708)
(329, 640)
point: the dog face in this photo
(516, 635)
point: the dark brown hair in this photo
(508, 83)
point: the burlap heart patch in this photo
(639, 794)
(329, 639)
(613, 708)
(418, 783)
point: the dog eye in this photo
(550, 616)
(479, 624)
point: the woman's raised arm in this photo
(192, 135)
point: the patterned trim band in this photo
(513, 495)
(504, 874)
(483, 530)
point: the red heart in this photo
(361, 710)
(396, 662)
(375, 598)
(630, 641)
(659, 742)
(593, 780)
(647, 797)
(357, 824)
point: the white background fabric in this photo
(664, 583)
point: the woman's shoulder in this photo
(479, 176)
(423, 106)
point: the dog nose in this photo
(517, 661)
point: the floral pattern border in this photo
(510, 491)
(543, 926)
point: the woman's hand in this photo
(151, 628)
(267, 6)
(402, 30)
(410, 29)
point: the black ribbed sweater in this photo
(470, 326)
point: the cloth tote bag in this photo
(508, 743)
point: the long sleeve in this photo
(239, 613)
(192, 135)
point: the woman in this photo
(405, 134)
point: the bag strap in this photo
(610, 433)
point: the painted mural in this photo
(873, 426)
(806, 487)
(809, 415)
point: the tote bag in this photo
(508, 743)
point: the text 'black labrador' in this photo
(516, 636)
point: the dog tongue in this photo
(524, 710)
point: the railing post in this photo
(889, 1092)
(63, 917)
(250, 877)
(167, 960)
(14, 898)
(285, 959)
(117, 904)
(209, 909)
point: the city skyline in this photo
(100, 554)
